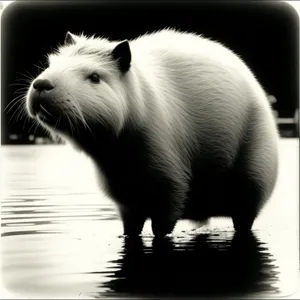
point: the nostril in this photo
(43, 85)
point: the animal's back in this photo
(219, 115)
(211, 88)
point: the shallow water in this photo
(61, 238)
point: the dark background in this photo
(263, 33)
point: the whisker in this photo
(28, 76)
(20, 115)
(37, 126)
(25, 88)
(18, 97)
(40, 67)
(75, 118)
(25, 116)
(43, 67)
(90, 130)
(20, 92)
(13, 103)
(14, 114)
(55, 126)
(68, 122)
(22, 79)
(18, 84)
(20, 112)
(72, 127)
(79, 115)
(33, 123)
(78, 112)
(44, 109)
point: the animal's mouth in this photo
(43, 114)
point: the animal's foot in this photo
(133, 222)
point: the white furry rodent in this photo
(177, 124)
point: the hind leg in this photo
(251, 191)
(243, 225)
(255, 173)
(246, 204)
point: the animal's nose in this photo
(41, 97)
(43, 85)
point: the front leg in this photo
(168, 207)
(162, 225)
(163, 220)
(133, 220)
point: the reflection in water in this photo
(206, 265)
(60, 238)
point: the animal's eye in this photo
(95, 78)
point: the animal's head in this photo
(83, 85)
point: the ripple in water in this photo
(61, 238)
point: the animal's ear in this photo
(122, 53)
(70, 38)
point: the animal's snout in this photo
(43, 85)
(42, 98)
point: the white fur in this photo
(192, 95)
(198, 96)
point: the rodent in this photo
(176, 123)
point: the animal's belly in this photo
(210, 192)
(134, 188)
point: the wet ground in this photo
(61, 238)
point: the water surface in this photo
(61, 238)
